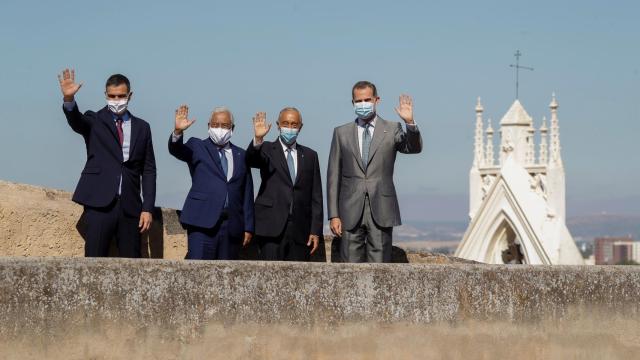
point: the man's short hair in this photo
(117, 80)
(363, 85)
(290, 108)
(223, 109)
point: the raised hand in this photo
(68, 84)
(405, 109)
(182, 121)
(260, 126)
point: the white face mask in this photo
(220, 136)
(118, 106)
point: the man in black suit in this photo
(119, 160)
(288, 209)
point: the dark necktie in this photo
(225, 170)
(120, 131)
(366, 144)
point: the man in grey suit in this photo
(361, 198)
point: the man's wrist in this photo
(68, 99)
(177, 132)
(258, 140)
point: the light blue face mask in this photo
(364, 110)
(288, 135)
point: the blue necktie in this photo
(225, 170)
(366, 143)
(224, 163)
(292, 166)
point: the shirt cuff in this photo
(69, 105)
(412, 127)
(174, 137)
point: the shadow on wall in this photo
(151, 242)
(398, 255)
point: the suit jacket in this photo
(210, 188)
(100, 179)
(278, 194)
(348, 182)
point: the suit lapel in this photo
(236, 161)
(215, 156)
(355, 144)
(300, 157)
(107, 119)
(279, 154)
(379, 132)
(135, 133)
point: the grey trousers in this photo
(367, 242)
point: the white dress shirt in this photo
(294, 153)
(361, 129)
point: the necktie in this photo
(291, 165)
(120, 132)
(366, 143)
(224, 163)
(225, 170)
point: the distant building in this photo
(616, 250)
(517, 203)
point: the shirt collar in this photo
(125, 117)
(226, 146)
(361, 122)
(285, 147)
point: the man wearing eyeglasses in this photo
(218, 211)
(361, 198)
(120, 165)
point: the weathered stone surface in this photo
(68, 307)
(48, 300)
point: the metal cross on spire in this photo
(517, 66)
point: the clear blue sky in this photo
(262, 56)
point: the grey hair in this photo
(223, 109)
(291, 108)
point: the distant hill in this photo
(583, 228)
(591, 226)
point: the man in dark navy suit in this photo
(120, 161)
(218, 211)
(289, 202)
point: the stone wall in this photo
(67, 307)
(121, 308)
